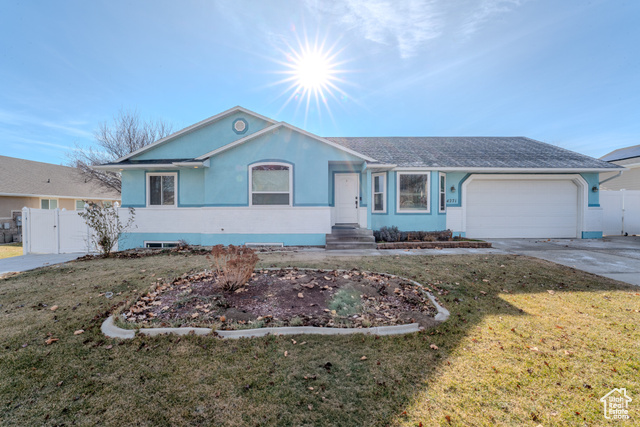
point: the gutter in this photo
(610, 178)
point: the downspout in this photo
(610, 178)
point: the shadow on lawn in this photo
(303, 380)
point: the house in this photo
(25, 183)
(242, 178)
(628, 157)
(616, 404)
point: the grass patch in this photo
(529, 342)
(10, 250)
(346, 302)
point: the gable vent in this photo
(240, 126)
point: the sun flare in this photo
(312, 71)
(313, 76)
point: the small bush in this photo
(233, 265)
(392, 234)
(346, 302)
(106, 225)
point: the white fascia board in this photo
(380, 166)
(277, 126)
(147, 166)
(510, 170)
(194, 127)
(58, 196)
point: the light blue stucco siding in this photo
(205, 139)
(137, 240)
(432, 221)
(134, 189)
(593, 180)
(226, 180)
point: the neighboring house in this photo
(25, 183)
(628, 157)
(241, 178)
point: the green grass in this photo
(512, 353)
(10, 250)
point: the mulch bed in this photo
(285, 298)
(433, 245)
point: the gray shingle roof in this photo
(19, 176)
(622, 153)
(472, 152)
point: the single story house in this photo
(25, 183)
(242, 178)
(628, 157)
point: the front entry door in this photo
(347, 198)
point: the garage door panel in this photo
(522, 208)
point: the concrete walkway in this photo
(615, 257)
(31, 261)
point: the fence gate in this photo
(55, 232)
(620, 212)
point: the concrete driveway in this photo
(615, 257)
(31, 261)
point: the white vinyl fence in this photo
(55, 232)
(621, 212)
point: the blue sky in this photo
(566, 72)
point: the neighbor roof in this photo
(28, 178)
(622, 153)
(470, 152)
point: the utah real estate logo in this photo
(616, 404)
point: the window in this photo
(48, 203)
(107, 204)
(160, 244)
(161, 189)
(379, 192)
(80, 205)
(270, 184)
(413, 192)
(443, 192)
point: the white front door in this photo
(347, 198)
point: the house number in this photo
(452, 200)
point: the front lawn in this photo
(10, 250)
(528, 343)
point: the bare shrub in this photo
(106, 224)
(233, 265)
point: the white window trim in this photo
(442, 202)
(175, 189)
(75, 203)
(398, 208)
(161, 242)
(49, 198)
(250, 185)
(383, 175)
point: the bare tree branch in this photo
(125, 134)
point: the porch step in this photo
(344, 237)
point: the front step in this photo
(350, 237)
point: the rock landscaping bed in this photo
(284, 297)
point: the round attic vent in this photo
(240, 126)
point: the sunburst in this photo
(313, 74)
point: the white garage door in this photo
(522, 208)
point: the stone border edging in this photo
(110, 329)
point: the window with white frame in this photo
(379, 190)
(80, 205)
(162, 189)
(160, 244)
(443, 192)
(413, 192)
(107, 204)
(48, 203)
(270, 184)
